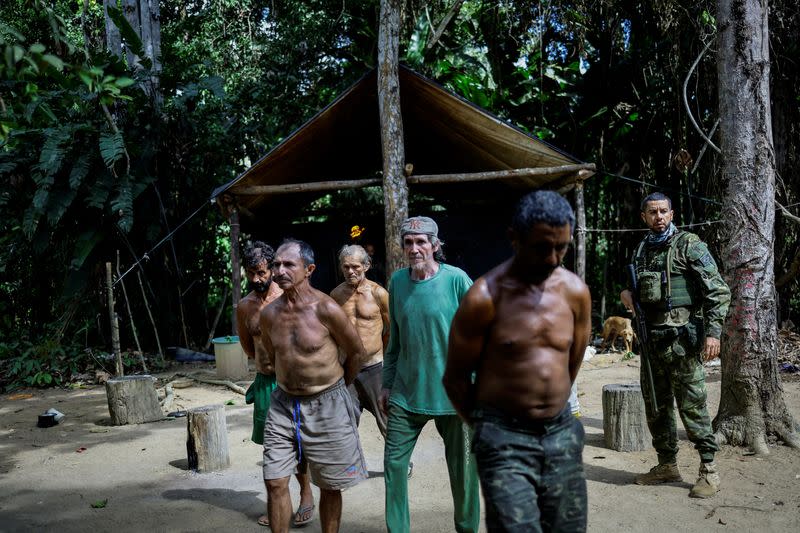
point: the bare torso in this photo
(248, 314)
(366, 307)
(524, 368)
(306, 356)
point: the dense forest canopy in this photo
(98, 163)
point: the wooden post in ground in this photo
(580, 232)
(133, 400)
(236, 270)
(115, 347)
(624, 420)
(207, 441)
(395, 188)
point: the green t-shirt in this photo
(420, 313)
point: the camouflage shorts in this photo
(531, 472)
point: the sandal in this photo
(303, 515)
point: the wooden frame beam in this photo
(254, 190)
(578, 172)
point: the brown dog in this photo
(617, 326)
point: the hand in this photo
(711, 349)
(626, 297)
(383, 401)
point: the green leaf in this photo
(124, 82)
(79, 170)
(59, 202)
(52, 154)
(53, 61)
(37, 48)
(30, 221)
(99, 192)
(112, 147)
(122, 205)
(100, 504)
(40, 198)
(87, 79)
(18, 53)
(84, 245)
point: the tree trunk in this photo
(113, 38)
(133, 400)
(207, 440)
(395, 188)
(130, 8)
(580, 232)
(150, 18)
(752, 404)
(624, 420)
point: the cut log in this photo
(624, 419)
(133, 400)
(207, 442)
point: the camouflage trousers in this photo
(678, 377)
(531, 472)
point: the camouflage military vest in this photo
(662, 285)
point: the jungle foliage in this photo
(93, 165)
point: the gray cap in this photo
(419, 225)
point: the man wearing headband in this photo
(422, 301)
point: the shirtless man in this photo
(367, 306)
(523, 328)
(311, 416)
(257, 258)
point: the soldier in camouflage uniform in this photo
(685, 300)
(521, 330)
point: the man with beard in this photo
(422, 301)
(516, 344)
(257, 259)
(684, 301)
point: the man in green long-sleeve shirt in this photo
(422, 301)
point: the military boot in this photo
(661, 473)
(707, 484)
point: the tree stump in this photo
(207, 443)
(624, 419)
(133, 400)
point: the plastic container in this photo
(231, 359)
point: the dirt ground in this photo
(47, 484)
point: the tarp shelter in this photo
(448, 141)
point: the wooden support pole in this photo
(500, 174)
(254, 190)
(395, 188)
(112, 315)
(580, 232)
(236, 270)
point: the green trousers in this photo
(678, 377)
(403, 429)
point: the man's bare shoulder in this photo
(341, 293)
(572, 284)
(326, 306)
(269, 310)
(376, 288)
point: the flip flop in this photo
(263, 520)
(307, 512)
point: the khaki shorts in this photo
(321, 429)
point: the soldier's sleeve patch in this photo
(706, 260)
